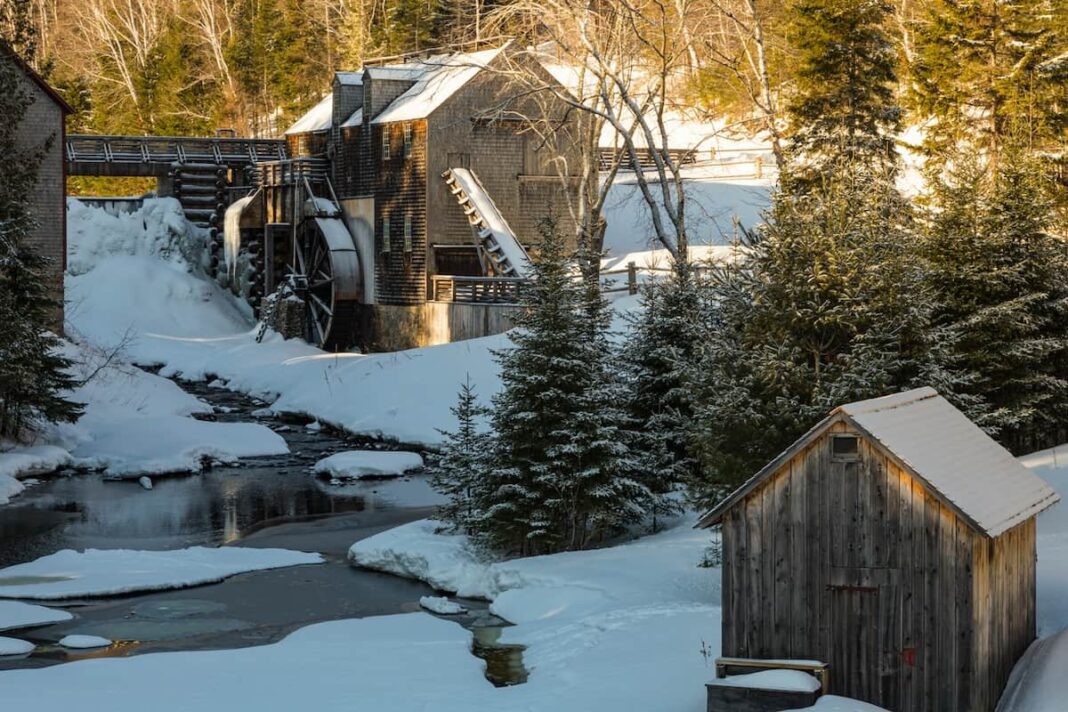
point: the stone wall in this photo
(395, 328)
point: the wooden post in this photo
(758, 166)
(632, 278)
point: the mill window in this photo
(845, 448)
(385, 234)
(407, 233)
(385, 143)
(407, 140)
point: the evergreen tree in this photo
(32, 374)
(828, 307)
(562, 476)
(458, 472)
(844, 113)
(664, 339)
(1002, 281)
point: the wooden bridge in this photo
(93, 155)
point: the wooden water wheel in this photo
(326, 273)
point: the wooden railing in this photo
(477, 290)
(89, 149)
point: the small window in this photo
(845, 447)
(385, 143)
(407, 140)
(385, 234)
(407, 233)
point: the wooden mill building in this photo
(43, 126)
(894, 541)
(443, 184)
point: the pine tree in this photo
(1002, 281)
(664, 340)
(829, 306)
(458, 472)
(844, 113)
(562, 476)
(32, 374)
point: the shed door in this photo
(865, 640)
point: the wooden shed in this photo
(895, 541)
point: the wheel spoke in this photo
(321, 303)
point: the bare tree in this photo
(622, 62)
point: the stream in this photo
(271, 502)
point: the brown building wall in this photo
(44, 121)
(858, 565)
(400, 192)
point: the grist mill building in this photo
(895, 541)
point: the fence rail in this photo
(477, 290)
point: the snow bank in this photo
(82, 642)
(36, 460)
(1052, 542)
(168, 444)
(614, 628)
(99, 572)
(405, 662)
(833, 703)
(16, 614)
(358, 464)
(9, 487)
(13, 646)
(441, 605)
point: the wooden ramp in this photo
(492, 231)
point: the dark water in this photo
(263, 502)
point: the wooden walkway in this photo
(97, 155)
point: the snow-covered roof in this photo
(355, 120)
(318, 118)
(439, 79)
(963, 466)
(349, 79)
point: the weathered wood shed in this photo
(895, 541)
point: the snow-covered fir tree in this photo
(563, 476)
(663, 340)
(1002, 281)
(33, 376)
(458, 472)
(829, 306)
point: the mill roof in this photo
(935, 442)
(434, 80)
(40, 81)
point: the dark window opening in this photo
(845, 447)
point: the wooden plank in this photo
(802, 540)
(766, 624)
(962, 557)
(755, 593)
(928, 631)
(782, 615)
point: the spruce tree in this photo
(562, 476)
(664, 339)
(843, 113)
(33, 375)
(1002, 281)
(458, 472)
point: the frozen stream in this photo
(263, 502)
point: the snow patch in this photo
(81, 642)
(99, 572)
(790, 680)
(16, 614)
(441, 605)
(358, 464)
(14, 646)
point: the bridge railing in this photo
(85, 148)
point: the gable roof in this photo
(929, 438)
(47, 88)
(436, 79)
(318, 118)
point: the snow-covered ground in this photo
(109, 572)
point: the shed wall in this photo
(858, 565)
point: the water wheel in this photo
(326, 269)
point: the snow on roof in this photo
(938, 442)
(436, 79)
(318, 118)
(349, 79)
(964, 466)
(355, 120)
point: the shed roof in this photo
(928, 437)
